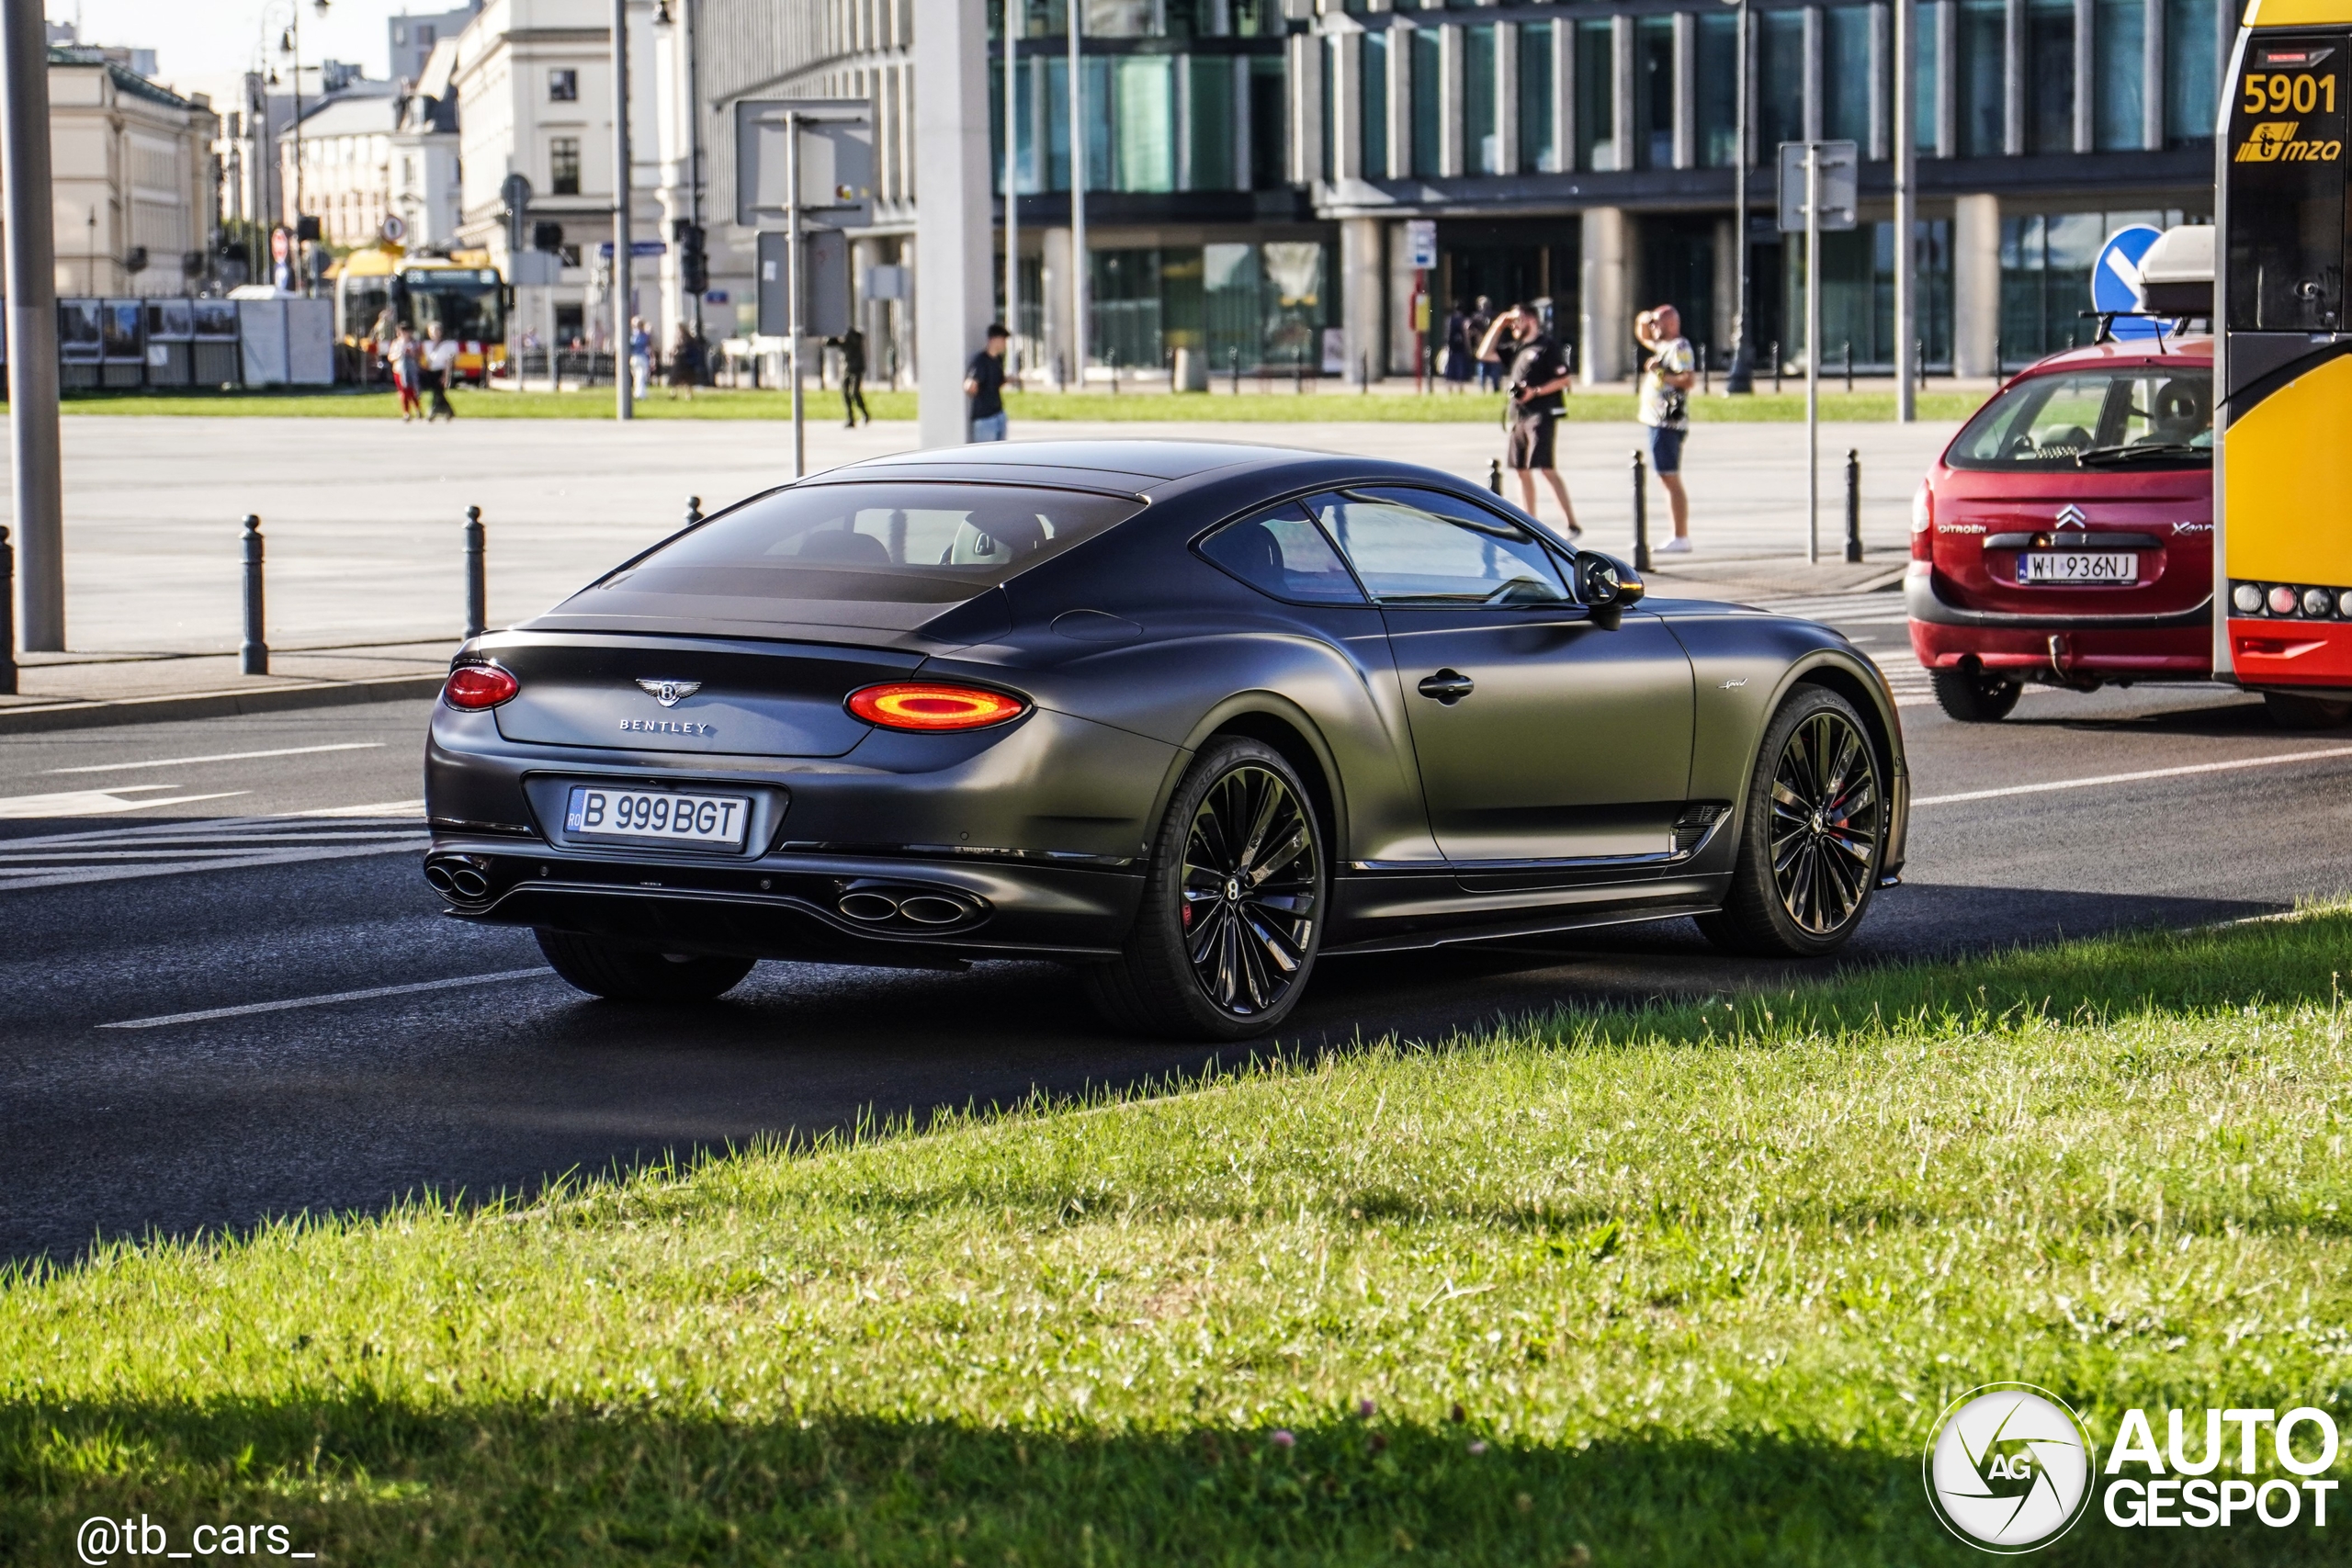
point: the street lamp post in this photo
(290, 43)
(623, 406)
(1741, 376)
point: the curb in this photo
(86, 715)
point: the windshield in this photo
(899, 544)
(2142, 416)
(464, 301)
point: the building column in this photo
(1975, 284)
(1061, 318)
(1400, 302)
(1507, 96)
(1347, 104)
(1306, 108)
(1361, 294)
(953, 291)
(1603, 325)
(1450, 160)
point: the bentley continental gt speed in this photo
(1184, 716)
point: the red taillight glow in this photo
(477, 686)
(917, 706)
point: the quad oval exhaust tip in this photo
(464, 878)
(871, 904)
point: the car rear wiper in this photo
(2134, 454)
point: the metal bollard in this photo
(1363, 373)
(8, 615)
(477, 578)
(1849, 365)
(1776, 365)
(1853, 504)
(694, 510)
(1234, 358)
(1641, 512)
(1706, 368)
(253, 655)
(1495, 475)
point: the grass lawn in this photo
(1685, 1286)
(1273, 408)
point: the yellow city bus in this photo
(462, 291)
(2282, 496)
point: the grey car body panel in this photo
(1135, 651)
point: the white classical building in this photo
(425, 170)
(342, 173)
(535, 97)
(132, 179)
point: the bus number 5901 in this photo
(2282, 92)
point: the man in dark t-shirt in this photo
(853, 347)
(984, 384)
(1538, 378)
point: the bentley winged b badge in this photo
(670, 694)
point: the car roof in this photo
(2172, 348)
(1118, 464)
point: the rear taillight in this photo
(477, 686)
(910, 704)
(1923, 523)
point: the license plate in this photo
(2078, 566)
(644, 816)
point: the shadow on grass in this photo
(360, 1480)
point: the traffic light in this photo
(694, 262)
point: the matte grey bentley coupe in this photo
(1182, 716)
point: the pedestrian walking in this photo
(984, 384)
(1490, 358)
(640, 355)
(687, 363)
(1539, 381)
(1667, 379)
(402, 361)
(439, 356)
(853, 347)
(1458, 346)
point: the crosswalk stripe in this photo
(174, 848)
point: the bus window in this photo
(362, 303)
(465, 301)
(2286, 196)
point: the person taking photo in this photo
(1539, 381)
(1667, 377)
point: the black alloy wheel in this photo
(1232, 915)
(1972, 695)
(1814, 836)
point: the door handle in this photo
(1448, 686)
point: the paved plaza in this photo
(363, 518)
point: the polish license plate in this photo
(2078, 566)
(644, 816)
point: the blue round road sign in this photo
(2115, 278)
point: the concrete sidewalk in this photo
(363, 528)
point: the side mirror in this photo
(1606, 584)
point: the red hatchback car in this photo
(2065, 536)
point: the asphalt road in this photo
(159, 870)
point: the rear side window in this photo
(1282, 553)
(1420, 548)
(900, 543)
(2142, 417)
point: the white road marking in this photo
(2134, 778)
(330, 1000)
(221, 757)
(97, 801)
(381, 809)
(172, 848)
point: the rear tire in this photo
(621, 972)
(1814, 836)
(2292, 710)
(1971, 696)
(1232, 914)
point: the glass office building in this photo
(1250, 164)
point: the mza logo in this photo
(2008, 1468)
(2280, 142)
